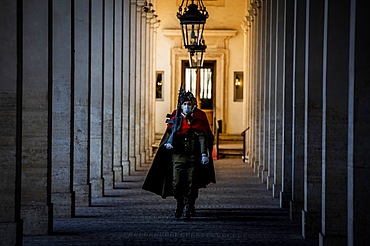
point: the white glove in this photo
(204, 160)
(168, 146)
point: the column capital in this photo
(245, 26)
(154, 24)
(140, 3)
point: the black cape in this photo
(159, 176)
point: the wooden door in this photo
(200, 81)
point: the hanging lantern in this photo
(196, 56)
(192, 20)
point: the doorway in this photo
(201, 83)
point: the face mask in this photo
(186, 109)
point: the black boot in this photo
(179, 210)
(187, 212)
(192, 210)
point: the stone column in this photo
(148, 92)
(96, 98)
(279, 97)
(247, 84)
(81, 102)
(154, 27)
(255, 83)
(359, 135)
(10, 121)
(266, 105)
(245, 88)
(107, 122)
(143, 89)
(335, 123)
(252, 85)
(296, 204)
(286, 186)
(62, 106)
(133, 132)
(138, 84)
(252, 81)
(272, 95)
(311, 213)
(117, 91)
(257, 87)
(250, 97)
(126, 68)
(261, 83)
(36, 118)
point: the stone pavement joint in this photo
(237, 210)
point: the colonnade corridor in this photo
(236, 210)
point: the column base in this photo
(259, 171)
(285, 198)
(132, 161)
(125, 168)
(117, 174)
(96, 188)
(296, 211)
(11, 233)
(310, 224)
(81, 196)
(108, 180)
(256, 166)
(270, 182)
(252, 162)
(62, 205)
(143, 158)
(37, 220)
(332, 240)
(264, 176)
(276, 188)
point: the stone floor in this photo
(237, 210)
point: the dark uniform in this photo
(181, 170)
(190, 144)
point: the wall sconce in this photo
(159, 85)
(237, 81)
(238, 86)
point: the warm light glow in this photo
(237, 81)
